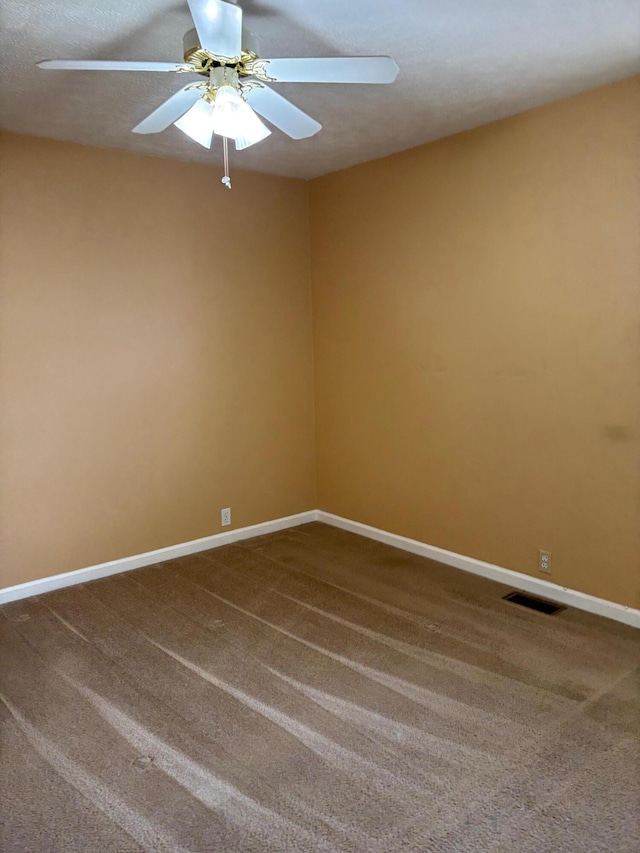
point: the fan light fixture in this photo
(222, 110)
(227, 116)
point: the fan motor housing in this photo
(192, 49)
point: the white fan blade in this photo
(168, 112)
(109, 65)
(282, 113)
(341, 69)
(219, 26)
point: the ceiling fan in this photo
(235, 87)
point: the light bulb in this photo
(197, 122)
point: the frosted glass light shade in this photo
(234, 118)
(198, 122)
(254, 130)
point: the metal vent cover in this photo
(534, 603)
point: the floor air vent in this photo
(533, 603)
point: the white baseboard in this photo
(561, 594)
(114, 567)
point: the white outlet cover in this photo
(225, 516)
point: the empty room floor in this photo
(311, 690)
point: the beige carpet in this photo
(314, 691)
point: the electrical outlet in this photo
(544, 564)
(225, 516)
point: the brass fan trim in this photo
(201, 61)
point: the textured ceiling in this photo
(462, 63)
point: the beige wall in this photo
(476, 308)
(477, 350)
(156, 354)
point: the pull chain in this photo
(225, 149)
